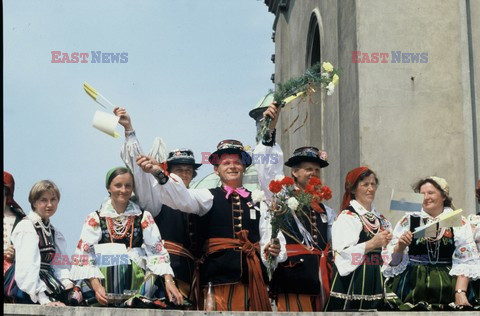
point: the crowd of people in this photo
(157, 243)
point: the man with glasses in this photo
(301, 283)
(178, 229)
(235, 230)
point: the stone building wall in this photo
(406, 120)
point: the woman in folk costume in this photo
(37, 276)
(301, 283)
(12, 215)
(121, 221)
(420, 265)
(234, 227)
(178, 229)
(466, 261)
(358, 235)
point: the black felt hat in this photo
(182, 156)
(232, 147)
(308, 154)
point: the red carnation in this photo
(315, 181)
(310, 189)
(288, 181)
(447, 233)
(144, 224)
(326, 192)
(275, 186)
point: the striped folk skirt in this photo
(361, 289)
(424, 287)
(127, 285)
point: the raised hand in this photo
(125, 119)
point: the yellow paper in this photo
(452, 219)
(90, 90)
(292, 97)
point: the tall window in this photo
(313, 42)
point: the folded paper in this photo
(106, 123)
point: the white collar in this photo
(361, 210)
(35, 218)
(107, 210)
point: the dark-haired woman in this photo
(420, 266)
(359, 234)
(121, 221)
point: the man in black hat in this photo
(301, 283)
(235, 229)
(178, 229)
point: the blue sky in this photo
(194, 70)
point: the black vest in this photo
(180, 228)
(137, 239)
(46, 245)
(228, 266)
(299, 274)
(427, 252)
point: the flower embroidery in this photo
(145, 224)
(79, 245)
(86, 247)
(447, 233)
(463, 249)
(92, 222)
(159, 247)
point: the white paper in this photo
(106, 123)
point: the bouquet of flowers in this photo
(289, 205)
(320, 73)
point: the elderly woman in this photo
(359, 233)
(37, 275)
(12, 215)
(134, 274)
(420, 265)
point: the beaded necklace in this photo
(119, 227)
(370, 222)
(45, 229)
(433, 245)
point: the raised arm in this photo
(268, 156)
(129, 153)
(173, 192)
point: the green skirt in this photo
(424, 287)
(361, 289)
(127, 285)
